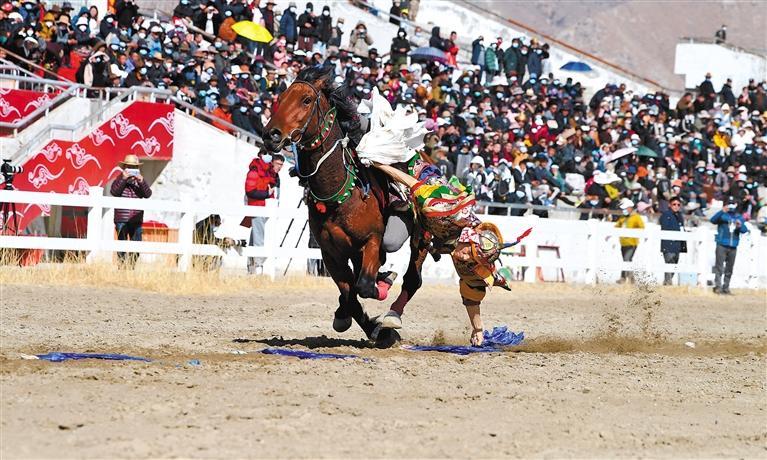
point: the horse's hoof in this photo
(391, 320)
(367, 290)
(342, 324)
(386, 338)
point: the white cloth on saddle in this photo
(394, 135)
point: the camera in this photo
(240, 243)
(8, 171)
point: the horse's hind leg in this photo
(412, 280)
(349, 306)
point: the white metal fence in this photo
(556, 250)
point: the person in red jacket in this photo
(260, 184)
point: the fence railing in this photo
(100, 232)
(65, 94)
(585, 250)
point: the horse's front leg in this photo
(349, 306)
(371, 262)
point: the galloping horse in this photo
(346, 215)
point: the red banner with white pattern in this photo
(144, 129)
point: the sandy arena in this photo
(605, 372)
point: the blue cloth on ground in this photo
(495, 341)
(304, 354)
(57, 357)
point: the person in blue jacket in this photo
(672, 220)
(730, 225)
(289, 24)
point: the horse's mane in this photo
(338, 96)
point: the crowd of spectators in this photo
(514, 131)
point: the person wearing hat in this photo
(360, 40)
(129, 184)
(307, 28)
(224, 113)
(672, 220)
(632, 220)
(444, 208)
(730, 225)
(475, 176)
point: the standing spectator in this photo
(360, 41)
(335, 36)
(726, 95)
(629, 219)
(478, 52)
(395, 13)
(223, 112)
(95, 70)
(126, 11)
(721, 35)
(267, 16)
(706, 89)
(511, 58)
(452, 49)
(400, 47)
(492, 64)
(672, 220)
(307, 28)
(289, 24)
(128, 222)
(267, 20)
(535, 62)
(324, 30)
(436, 40)
(730, 225)
(260, 184)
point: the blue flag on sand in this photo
(494, 341)
(58, 357)
(304, 354)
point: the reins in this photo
(326, 123)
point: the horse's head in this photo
(301, 111)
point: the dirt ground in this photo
(605, 372)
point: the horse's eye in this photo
(307, 101)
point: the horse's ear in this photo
(322, 83)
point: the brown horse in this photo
(346, 215)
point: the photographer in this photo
(205, 233)
(360, 41)
(128, 222)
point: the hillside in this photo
(640, 35)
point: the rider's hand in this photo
(477, 337)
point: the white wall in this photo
(208, 166)
(693, 60)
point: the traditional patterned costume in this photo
(444, 207)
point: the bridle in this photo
(325, 122)
(315, 111)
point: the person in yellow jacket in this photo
(721, 138)
(629, 219)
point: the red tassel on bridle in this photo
(519, 238)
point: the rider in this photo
(444, 209)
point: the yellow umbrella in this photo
(252, 31)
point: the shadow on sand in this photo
(309, 342)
